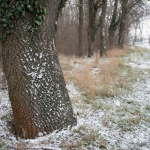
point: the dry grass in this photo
(117, 52)
(85, 80)
(101, 76)
(65, 62)
(110, 74)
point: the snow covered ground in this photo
(143, 44)
(116, 123)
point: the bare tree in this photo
(1, 55)
(90, 51)
(102, 29)
(93, 25)
(113, 25)
(80, 47)
(122, 23)
(128, 9)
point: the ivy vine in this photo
(114, 24)
(62, 5)
(94, 30)
(15, 9)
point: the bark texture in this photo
(113, 26)
(102, 29)
(80, 47)
(90, 50)
(36, 85)
(122, 23)
(1, 55)
(93, 26)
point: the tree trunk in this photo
(90, 50)
(80, 47)
(122, 23)
(3, 82)
(102, 29)
(1, 55)
(135, 36)
(36, 85)
(113, 26)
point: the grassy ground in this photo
(110, 98)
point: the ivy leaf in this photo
(9, 21)
(22, 38)
(22, 5)
(12, 17)
(31, 2)
(39, 18)
(4, 25)
(8, 32)
(3, 5)
(37, 10)
(37, 3)
(23, 13)
(43, 17)
(30, 8)
(8, 15)
(37, 22)
(44, 10)
(19, 8)
(17, 16)
(12, 26)
(3, 20)
(11, 31)
(2, 38)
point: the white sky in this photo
(145, 26)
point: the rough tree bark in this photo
(36, 85)
(102, 29)
(90, 50)
(80, 47)
(113, 26)
(3, 84)
(93, 26)
(0, 55)
(122, 23)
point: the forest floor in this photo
(110, 98)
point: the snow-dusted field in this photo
(116, 123)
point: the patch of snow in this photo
(94, 119)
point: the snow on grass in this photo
(115, 122)
(145, 45)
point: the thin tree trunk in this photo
(113, 26)
(80, 47)
(1, 55)
(4, 84)
(122, 23)
(37, 90)
(102, 29)
(135, 36)
(90, 50)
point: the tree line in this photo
(88, 26)
(36, 86)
